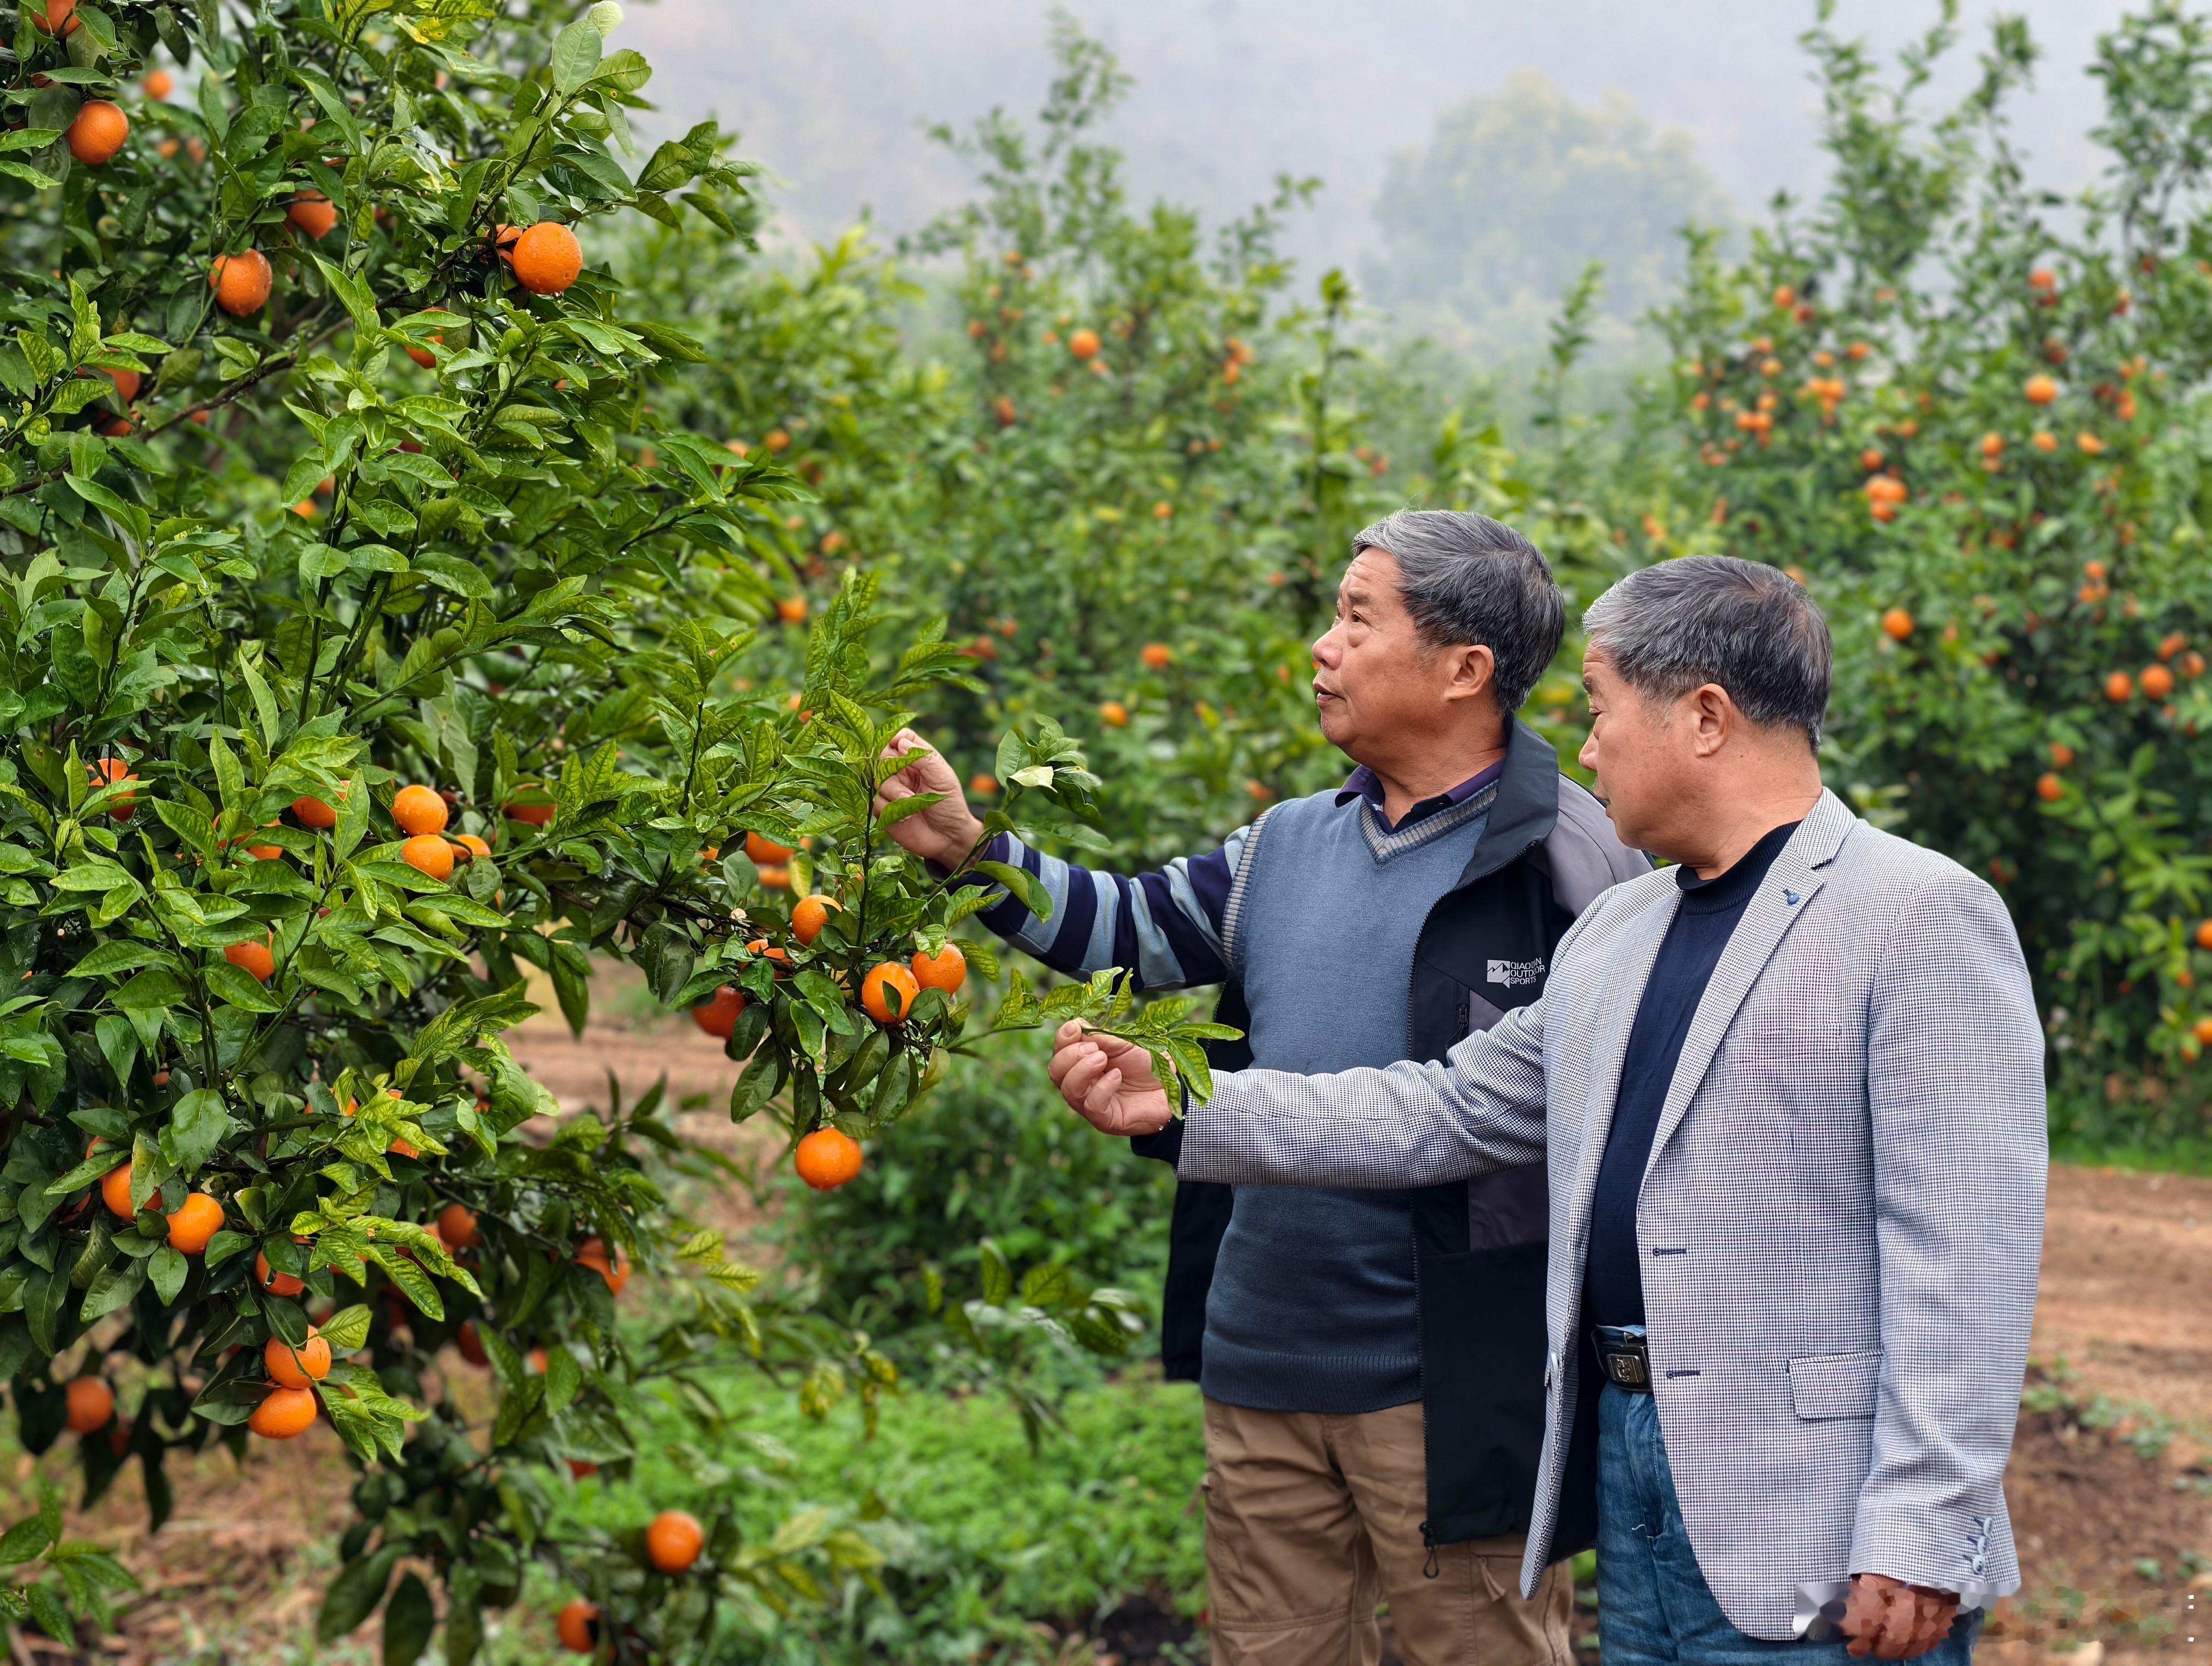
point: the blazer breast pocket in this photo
(1831, 1385)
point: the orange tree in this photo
(1122, 467)
(1977, 433)
(371, 644)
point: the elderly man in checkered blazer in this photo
(1790, 1092)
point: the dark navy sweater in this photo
(1704, 919)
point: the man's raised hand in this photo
(947, 832)
(1108, 1082)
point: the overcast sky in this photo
(832, 94)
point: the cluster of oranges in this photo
(673, 1543)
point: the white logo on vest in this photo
(1511, 974)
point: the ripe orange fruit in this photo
(476, 847)
(1084, 343)
(1993, 445)
(254, 958)
(983, 785)
(197, 1218)
(106, 773)
(547, 258)
(674, 1540)
(582, 1468)
(1002, 408)
(313, 213)
(777, 440)
(578, 1628)
(2119, 688)
(1157, 655)
(1897, 622)
(457, 1226)
(296, 1369)
(1164, 510)
(2062, 754)
(471, 1344)
(2050, 789)
(775, 877)
(2205, 935)
(808, 917)
(314, 814)
(946, 971)
(2157, 682)
(718, 1014)
(2041, 389)
(527, 811)
(283, 1413)
(2172, 645)
(241, 283)
(2042, 278)
(2090, 445)
(91, 1403)
(126, 383)
(60, 19)
(792, 610)
(160, 84)
(1114, 713)
(2192, 664)
(1871, 459)
(827, 1159)
(426, 853)
(2043, 440)
(98, 132)
(2203, 1031)
(888, 992)
(276, 1283)
(593, 1253)
(763, 850)
(419, 810)
(115, 1191)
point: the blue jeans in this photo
(1654, 1607)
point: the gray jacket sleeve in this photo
(1955, 1094)
(1585, 856)
(1480, 1109)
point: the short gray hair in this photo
(1748, 627)
(1469, 580)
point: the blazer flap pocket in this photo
(1835, 1384)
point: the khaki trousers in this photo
(1311, 1519)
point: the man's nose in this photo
(1588, 756)
(1324, 647)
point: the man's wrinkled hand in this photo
(1891, 1620)
(1108, 1082)
(947, 832)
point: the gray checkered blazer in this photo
(1840, 1224)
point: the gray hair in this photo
(1748, 627)
(1467, 579)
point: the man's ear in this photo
(1714, 719)
(1473, 673)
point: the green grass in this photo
(2183, 1156)
(984, 1536)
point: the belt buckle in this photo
(1624, 1352)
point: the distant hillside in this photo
(833, 96)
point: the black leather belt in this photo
(1622, 1352)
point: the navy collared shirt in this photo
(1365, 783)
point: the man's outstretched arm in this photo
(1480, 1109)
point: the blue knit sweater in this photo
(1316, 908)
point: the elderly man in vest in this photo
(1790, 1095)
(1371, 1359)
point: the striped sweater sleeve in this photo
(1165, 926)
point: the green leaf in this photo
(576, 54)
(409, 1620)
(1026, 887)
(166, 1271)
(239, 988)
(196, 1127)
(355, 1594)
(347, 1329)
(998, 1276)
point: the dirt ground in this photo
(2111, 1483)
